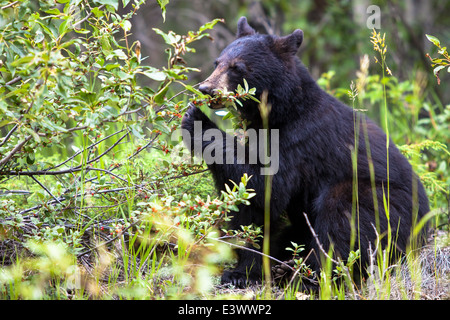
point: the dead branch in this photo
(17, 148)
(317, 240)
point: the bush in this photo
(86, 159)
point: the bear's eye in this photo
(237, 66)
(216, 63)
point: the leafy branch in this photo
(439, 63)
(232, 102)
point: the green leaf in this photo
(161, 126)
(46, 123)
(97, 12)
(197, 92)
(434, 40)
(137, 131)
(53, 11)
(210, 25)
(72, 2)
(159, 97)
(122, 75)
(33, 133)
(5, 122)
(23, 60)
(126, 25)
(437, 69)
(155, 75)
(49, 30)
(229, 115)
(111, 66)
(169, 38)
(162, 4)
(30, 159)
(119, 54)
(112, 3)
(245, 85)
(64, 26)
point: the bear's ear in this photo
(290, 43)
(244, 28)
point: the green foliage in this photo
(299, 264)
(439, 63)
(231, 101)
(202, 216)
(85, 155)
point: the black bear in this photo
(317, 135)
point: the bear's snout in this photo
(206, 89)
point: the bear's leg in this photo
(248, 269)
(344, 224)
(349, 225)
(294, 230)
(297, 231)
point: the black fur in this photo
(315, 173)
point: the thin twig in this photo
(10, 5)
(188, 174)
(298, 272)
(13, 151)
(109, 241)
(87, 17)
(24, 192)
(252, 250)
(317, 239)
(40, 172)
(70, 170)
(96, 207)
(81, 151)
(108, 172)
(16, 79)
(6, 138)
(143, 148)
(46, 190)
(345, 268)
(107, 150)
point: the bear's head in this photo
(266, 62)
